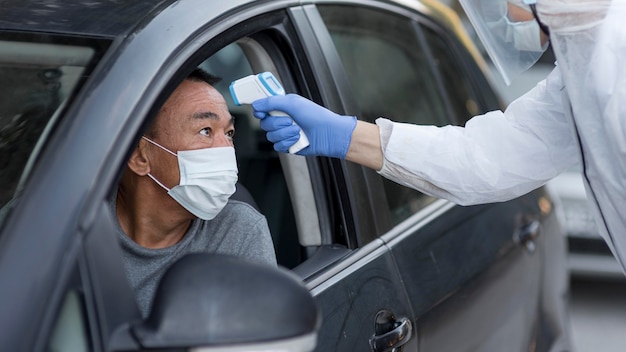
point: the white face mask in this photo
(525, 36)
(207, 179)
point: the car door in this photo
(466, 275)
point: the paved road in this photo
(598, 316)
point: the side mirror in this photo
(211, 302)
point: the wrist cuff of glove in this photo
(349, 125)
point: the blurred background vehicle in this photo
(588, 254)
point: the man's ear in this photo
(139, 163)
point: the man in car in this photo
(173, 198)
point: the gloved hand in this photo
(329, 133)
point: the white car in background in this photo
(589, 255)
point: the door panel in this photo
(351, 294)
(474, 314)
(467, 277)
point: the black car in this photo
(390, 268)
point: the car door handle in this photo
(527, 233)
(392, 340)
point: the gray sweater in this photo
(237, 230)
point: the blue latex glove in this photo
(329, 133)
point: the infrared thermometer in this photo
(250, 88)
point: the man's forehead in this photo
(198, 100)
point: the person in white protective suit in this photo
(576, 115)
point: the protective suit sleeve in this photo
(495, 157)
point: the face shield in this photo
(509, 33)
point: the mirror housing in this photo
(212, 302)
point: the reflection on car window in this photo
(390, 76)
(36, 80)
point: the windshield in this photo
(37, 79)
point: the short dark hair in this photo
(200, 75)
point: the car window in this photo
(37, 78)
(455, 80)
(390, 76)
(388, 71)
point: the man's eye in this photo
(205, 131)
(230, 135)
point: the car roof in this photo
(107, 18)
(112, 18)
(103, 18)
